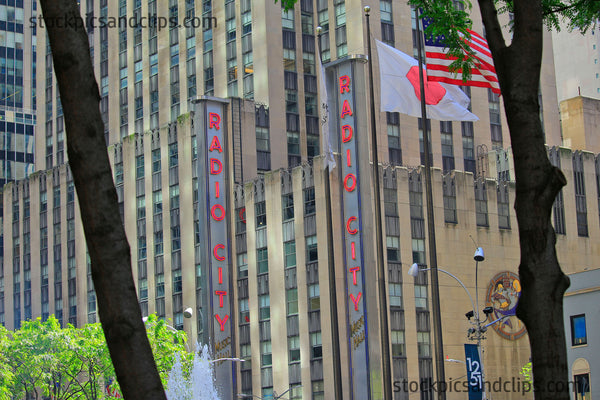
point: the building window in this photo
(242, 262)
(141, 207)
(260, 209)
(287, 19)
(580, 199)
(287, 204)
(318, 390)
(312, 146)
(495, 122)
(316, 349)
(558, 209)
(421, 296)
(262, 260)
(393, 131)
(139, 167)
(156, 161)
(385, 8)
(449, 190)
(395, 294)
(292, 301)
(290, 254)
(418, 251)
(264, 307)
(157, 202)
(390, 199)
(158, 243)
(503, 207)
(177, 282)
(289, 59)
(311, 249)
(447, 146)
(294, 348)
(393, 248)
(174, 196)
(160, 285)
(578, 330)
(262, 139)
(481, 208)
(240, 220)
(244, 311)
(309, 201)
(424, 348)
(266, 359)
(314, 298)
(582, 387)
(397, 338)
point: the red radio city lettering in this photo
(352, 231)
(347, 133)
(214, 120)
(220, 293)
(344, 84)
(350, 181)
(215, 144)
(217, 210)
(222, 321)
(216, 252)
(213, 212)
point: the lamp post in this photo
(479, 326)
(187, 314)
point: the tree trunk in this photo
(109, 251)
(537, 183)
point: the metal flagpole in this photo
(435, 289)
(335, 333)
(381, 270)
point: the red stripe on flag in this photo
(483, 73)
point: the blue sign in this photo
(474, 372)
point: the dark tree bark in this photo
(537, 184)
(109, 250)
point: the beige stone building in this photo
(282, 304)
(288, 277)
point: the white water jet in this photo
(201, 382)
(177, 385)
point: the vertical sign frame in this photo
(210, 123)
(352, 227)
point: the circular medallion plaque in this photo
(503, 295)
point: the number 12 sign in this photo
(474, 372)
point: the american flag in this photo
(483, 74)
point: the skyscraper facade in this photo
(17, 89)
(577, 60)
(286, 260)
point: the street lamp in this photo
(187, 313)
(479, 326)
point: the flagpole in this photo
(333, 311)
(435, 289)
(381, 270)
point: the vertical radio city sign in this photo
(211, 128)
(352, 228)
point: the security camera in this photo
(469, 315)
(188, 312)
(488, 310)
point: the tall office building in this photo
(577, 62)
(17, 89)
(236, 227)
(152, 58)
